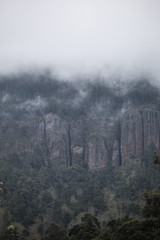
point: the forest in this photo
(26, 197)
(146, 227)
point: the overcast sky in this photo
(74, 36)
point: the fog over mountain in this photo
(79, 119)
(81, 37)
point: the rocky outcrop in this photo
(139, 128)
(52, 134)
(96, 153)
(87, 142)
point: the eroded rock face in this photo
(132, 135)
(96, 153)
(139, 128)
(85, 142)
(151, 120)
(115, 156)
(76, 144)
(52, 134)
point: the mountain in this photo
(72, 147)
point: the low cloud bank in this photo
(87, 37)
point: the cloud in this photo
(32, 105)
(81, 36)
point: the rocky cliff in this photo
(87, 142)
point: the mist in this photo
(87, 37)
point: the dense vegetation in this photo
(31, 194)
(125, 228)
(90, 229)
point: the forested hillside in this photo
(76, 147)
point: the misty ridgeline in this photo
(68, 148)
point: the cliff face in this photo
(79, 144)
(92, 143)
(139, 128)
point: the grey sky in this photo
(80, 35)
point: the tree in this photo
(1, 184)
(152, 205)
(10, 234)
(88, 229)
(106, 234)
(55, 232)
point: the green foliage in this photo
(6, 216)
(87, 218)
(156, 159)
(26, 191)
(85, 188)
(152, 198)
(88, 229)
(140, 229)
(152, 205)
(21, 190)
(55, 232)
(120, 229)
(10, 234)
(67, 217)
(106, 234)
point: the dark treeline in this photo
(77, 97)
(90, 229)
